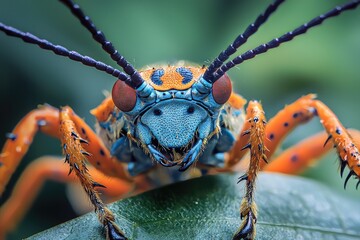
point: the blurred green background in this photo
(325, 61)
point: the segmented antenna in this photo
(62, 51)
(240, 40)
(136, 79)
(284, 38)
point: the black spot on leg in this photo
(83, 131)
(338, 131)
(295, 115)
(286, 124)
(271, 136)
(98, 163)
(11, 136)
(294, 158)
(102, 153)
(41, 123)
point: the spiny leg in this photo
(47, 120)
(301, 111)
(39, 171)
(256, 132)
(76, 157)
(276, 129)
(297, 158)
(100, 156)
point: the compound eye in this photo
(221, 89)
(124, 97)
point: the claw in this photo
(113, 232)
(348, 177)
(242, 178)
(247, 230)
(342, 167)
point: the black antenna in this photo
(136, 79)
(240, 40)
(62, 51)
(284, 38)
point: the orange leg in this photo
(297, 158)
(256, 134)
(47, 120)
(300, 156)
(76, 156)
(337, 136)
(263, 143)
(32, 179)
(80, 144)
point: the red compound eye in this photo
(222, 89)
(124, 97)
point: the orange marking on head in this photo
(171, 78)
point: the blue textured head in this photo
(174, 113)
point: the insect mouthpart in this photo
(175, 155)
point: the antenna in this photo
(132, 76)
(284, 38)
(240, 40)
(62, 51)
(136, 79)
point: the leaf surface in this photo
(208, 208)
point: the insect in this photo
(183, 152)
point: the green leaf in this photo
(208, 208)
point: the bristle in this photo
(348, 177)
(246, 132)
(327, 140)
(85, 153)
(342, 167)
(243, 177)
(96, 184)
(246, 146)
(264, 157)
